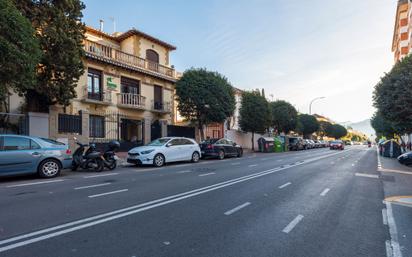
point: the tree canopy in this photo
(19, 52)
(60, 32)
(307, 124)
(392, 96)
(204, 97)
(325, 128)
(254, 113)
(338, 131)
(381, 126)
(284, 117)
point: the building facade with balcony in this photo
(401, 42)
(126, 92)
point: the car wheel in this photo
(49, 168)
(158, 160)
(195, 157)
(221, 155)
(239, 153)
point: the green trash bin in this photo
(278, 145)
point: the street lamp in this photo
(310, 105)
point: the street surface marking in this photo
(108, 193)
(324, 192)
(279, 160)
(252, 165)
(292, 224)
(102, 175)
(285, 185)
(91, 186)
(184, 165)
(251, 157)
(384, 217)
(149, 169)
(36, 183)
(395, 247)
(183, 171)
(366, 175)
(264, 159)
(332, 163)
(388, 248)
(237, 208)
(207, 174)
(69, 227)
(394, 171)
(235, 163)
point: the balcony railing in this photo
(131, 100)
(125, 58)
(98, 98)
(161, 106)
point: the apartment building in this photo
(126, 92)
(401, 42)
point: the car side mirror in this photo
(168, 144)
(234, 144)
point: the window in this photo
(96, 126)
(186, 141)
(131, 86)
(175, 142)
(19, 143)
(152, 56)
(94, 84)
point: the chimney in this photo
(101, 25)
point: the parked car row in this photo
(298, 143)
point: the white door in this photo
(188, 147)
(172, 151)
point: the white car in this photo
(165, 150)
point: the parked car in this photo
(405, 158)
(296, 143)
(337, 145)
(220, 148)
(165, 150)
(25, 155)
(310, 143)
(317, 144)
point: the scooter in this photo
(109, 156)
(89, 160)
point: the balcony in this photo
(163, 107)
(129, 100)
(117, 57)
(102, 98)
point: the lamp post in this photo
(310, 105)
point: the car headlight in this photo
(147, 151)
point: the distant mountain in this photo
(362, 126)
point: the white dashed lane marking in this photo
(237, 208)
(292, 224)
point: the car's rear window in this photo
(51, 141)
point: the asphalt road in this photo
(309, 203)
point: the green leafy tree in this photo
(307, 125)
(338, 131)
(284, 117)
(325, 128)
(19, 52)
(60, 32)
(392, 96)
(254, 114)
(382, 127)
(204, 97)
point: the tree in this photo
(381, 126)
(307, 124)
(325, 128)
(392, 96)
(19, 52)
(254, 114)
(284, 117)
(204, 97)
(338, 131)
(60, 32)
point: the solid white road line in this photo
(108, 193)
(396, 248)
(65, 228)
(384, 217)
(237, 208)
(366, 175)
(91, 186)
(284, 185)
(207, 174)
(184, 171)
(252, 165)
(324, 192)
(292, 224)
(263, 159)
(388, 248)
(235, 163)
(101, 175)
(36, 183)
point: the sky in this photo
(295, 50)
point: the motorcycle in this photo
(91, 159)
(109, 156)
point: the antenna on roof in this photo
(114, 23)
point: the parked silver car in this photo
(25, 155)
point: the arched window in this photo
(152, 56)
